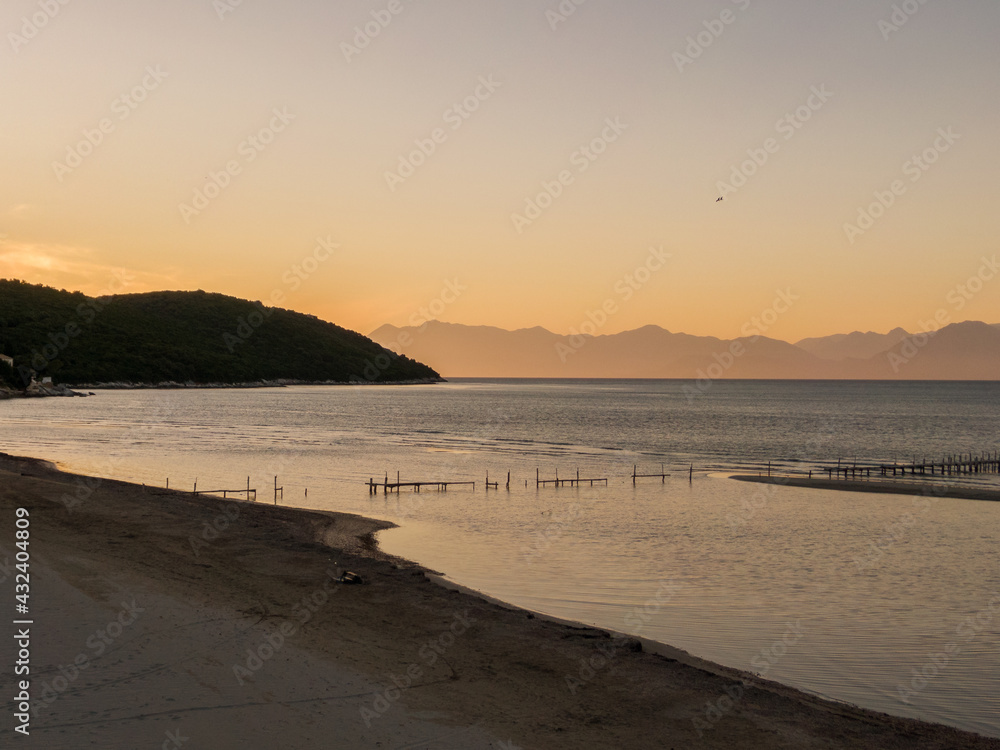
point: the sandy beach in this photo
(930, 488)
(164, 620)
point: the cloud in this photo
(70, 267)
(19, 211)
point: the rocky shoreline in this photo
(43, 391)
(281, 383)
(40, 391)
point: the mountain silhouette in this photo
(961, 351)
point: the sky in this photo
(512, 163)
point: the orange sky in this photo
(505, 165)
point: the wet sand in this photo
(160, 616)
(930, 488)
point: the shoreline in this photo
(63, 390)
(928, 489)
(278, 383)
(420, 658)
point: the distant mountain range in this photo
(855, 345)
(961, 351)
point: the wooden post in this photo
(691, 473)
(168, 483)
(508, 479)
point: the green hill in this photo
(181, 337)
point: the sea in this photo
(890, 602)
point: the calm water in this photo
(872, 593)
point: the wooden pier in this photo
(662, 476)
(557, 482)
(387, 486)
(250, 493)
(496, 485)
(965, 464)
